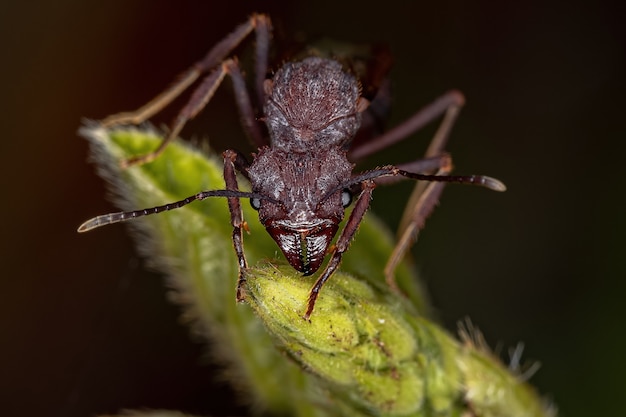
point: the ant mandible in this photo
(301, 178)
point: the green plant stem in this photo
(365, 351)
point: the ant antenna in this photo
(391, 171)
(111, 218)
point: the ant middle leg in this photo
(426, 202)
(425, 195)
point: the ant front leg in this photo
(204, 92)
(360, 207)
(235, 161)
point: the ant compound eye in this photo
(255, 203)
(346, 198)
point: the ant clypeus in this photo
(301, 177)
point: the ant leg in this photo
(426, 202)
(449, 104)
(249, 120)
(436, 147)
(422, 201)
(263, 37)
(425, 195)
(360, 207)
(262, 27)
(199, 99)
(233, 161)
(217, 54)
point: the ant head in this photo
(312, 103)
(301, 205)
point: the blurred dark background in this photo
(84, 329)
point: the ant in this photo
(301, 178)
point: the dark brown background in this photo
(85, 329)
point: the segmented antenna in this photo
(390, 171)
(121, 216)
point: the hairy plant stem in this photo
(365, 352)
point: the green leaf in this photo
(365, 351)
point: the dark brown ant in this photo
(302, 179)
